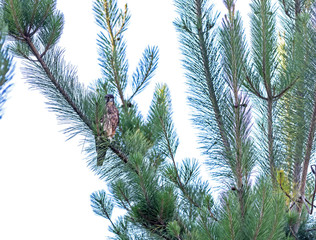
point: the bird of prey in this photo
(109, 123)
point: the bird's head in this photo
(109, 98)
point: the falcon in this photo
(111, 119)
(109, 123)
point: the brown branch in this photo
(56, 84)
(291, 206)
(286, 194)
(308, 150)
(308, 202)
(276, 97)
(274, 227)
(297, 8)
(142, 185)
(305, 203)
(33, 14)
(113, 225)
(293, 233)
(253, 89)
(126, 199)
(97, 119)
(314, 193)
(42, 22)
(49, 43)
(119, 153)
(271, 140)
(25, 56)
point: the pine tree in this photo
(299, 116)
(267, 78)
(254, 104)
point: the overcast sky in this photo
(45, 185)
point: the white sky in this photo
(45, 185)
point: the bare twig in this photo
(313, 167)
(310, 203)
(288, 195)
(310, 230)
(293, 233)
(305, 203)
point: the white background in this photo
(45, 185)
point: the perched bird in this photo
(109, 123)
(111, 119)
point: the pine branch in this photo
(103, 207)
(40, 59)
(5, 69)
(271, 141)
(259, 225)
(15, 18)
(234, 57)
(161, 115)
(125, 198)
(308, 151)
(231, 225)
(113, 39)
(144, 71)
(208, 76)
(56, 84)
(47, 11)
(300, 101)
(26, 37)
(33, 14)
(264, 47)
(117, 151)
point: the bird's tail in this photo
(101, 148)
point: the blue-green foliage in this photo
(5, 67)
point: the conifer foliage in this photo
(254, 103)
(5, 66)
